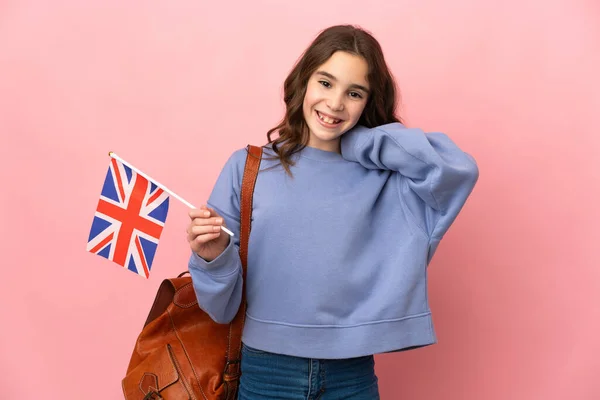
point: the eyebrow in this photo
(333, 78)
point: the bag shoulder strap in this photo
(248, 182)
(232, 367)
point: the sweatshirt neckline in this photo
(320, 155)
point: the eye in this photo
(356, 95)
(325, 83)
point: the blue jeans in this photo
(275, 376)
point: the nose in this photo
(335, 102)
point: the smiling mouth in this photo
(327, 119)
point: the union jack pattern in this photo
(129, 219)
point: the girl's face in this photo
(336, 95)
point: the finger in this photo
(191, 237)
(199, 213)
(204, 229)
(212, 211)
(217, 221)
(195, 230)
(201, 239)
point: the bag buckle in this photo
(233, 373)
(153, 395)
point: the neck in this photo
(330, 145)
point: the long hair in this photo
(381, 104)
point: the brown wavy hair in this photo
(381, 104)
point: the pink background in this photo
(175, 87)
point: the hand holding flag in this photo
(130, 216)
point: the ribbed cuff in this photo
(223, 265)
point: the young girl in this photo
(349, 208)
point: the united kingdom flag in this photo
(129, 219)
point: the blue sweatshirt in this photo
(338, 253)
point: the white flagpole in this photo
(163, 187)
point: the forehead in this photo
(346, 68)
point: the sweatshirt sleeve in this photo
(218, 284)
(434, 176)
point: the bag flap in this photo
(155, 373)
(185, 297)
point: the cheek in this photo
(310, 97)
(357, 111)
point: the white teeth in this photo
(327, 119)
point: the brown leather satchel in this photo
(181, 352)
